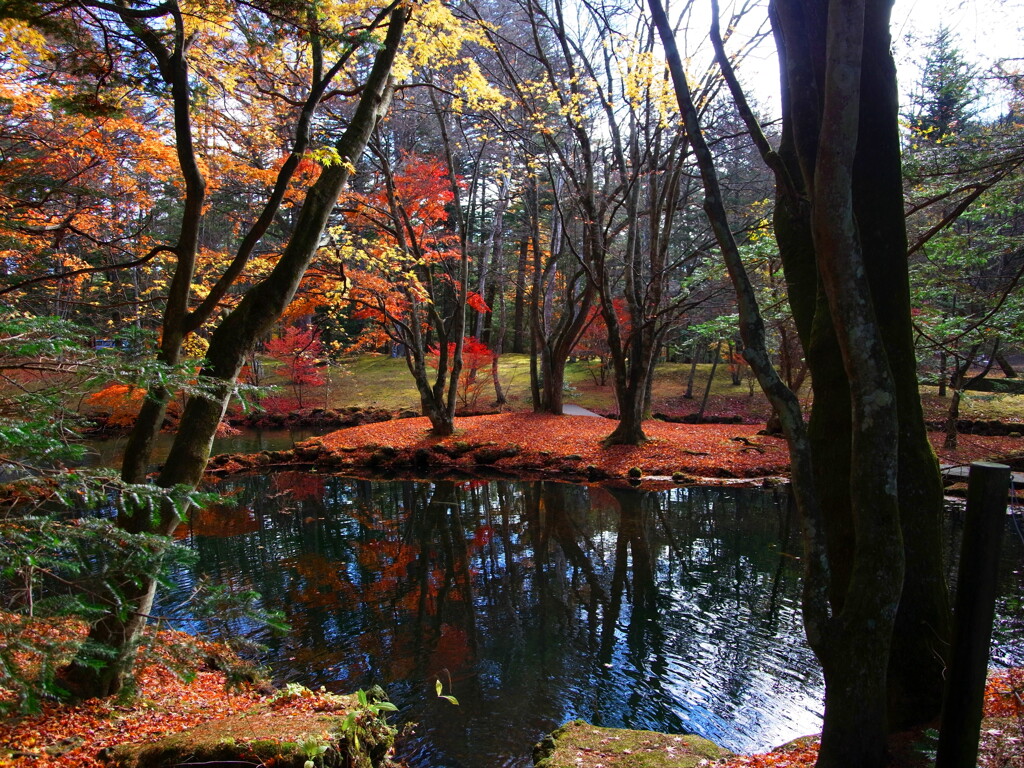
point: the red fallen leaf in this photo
(71, 736)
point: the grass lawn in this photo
(385, 382)
(376, 381)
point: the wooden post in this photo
(987, 488)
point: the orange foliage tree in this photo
(81, 177)
(264, 108)
(232, 90)
(409, 275)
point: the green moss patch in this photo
(267, 737)
(579, 745)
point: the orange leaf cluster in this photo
(120, 401)
(803, 756)
(1004, 694)
(73, 736)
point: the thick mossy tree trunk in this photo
(163, 32)
(854, 427)
(632, 392)
(551, 381)
(850, 465)
(923, 624)
(255, 314)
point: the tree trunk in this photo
(234, 337)
(519, 313)
(854, 679)
(496, 350)
(499, 392)
(539, 361)
(952, 416)
(1004, 366)
(491, 255)
(693, 370)
(711, 379)
(922, 627)
(633, 394)
(958, 382)
(492, 299)
(174, 70)
(552, 382)
(87, 677)
(630, 429)
(923, 623)
(734, 369)
(942, 373)
(832, 63)
(442, 421)
(649, 391)
(138, 450)
(535, 376)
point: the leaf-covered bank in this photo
(568, 447)
(190, 713)
(572, 446)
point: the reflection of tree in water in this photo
(543, 601)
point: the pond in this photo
(534, 603)
(110, 451)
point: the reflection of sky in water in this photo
(535, 604)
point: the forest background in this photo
(180, 192)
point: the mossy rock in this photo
(493, 453)
(421, 457)
(460, 447)
(956, 489)
(579, 745)
(382, 455)
(262, 737)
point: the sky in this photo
(986, 31)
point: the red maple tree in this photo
(298, 351)
(475, 356)
(593, 342)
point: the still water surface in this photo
(109, 452)
(534, 603)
